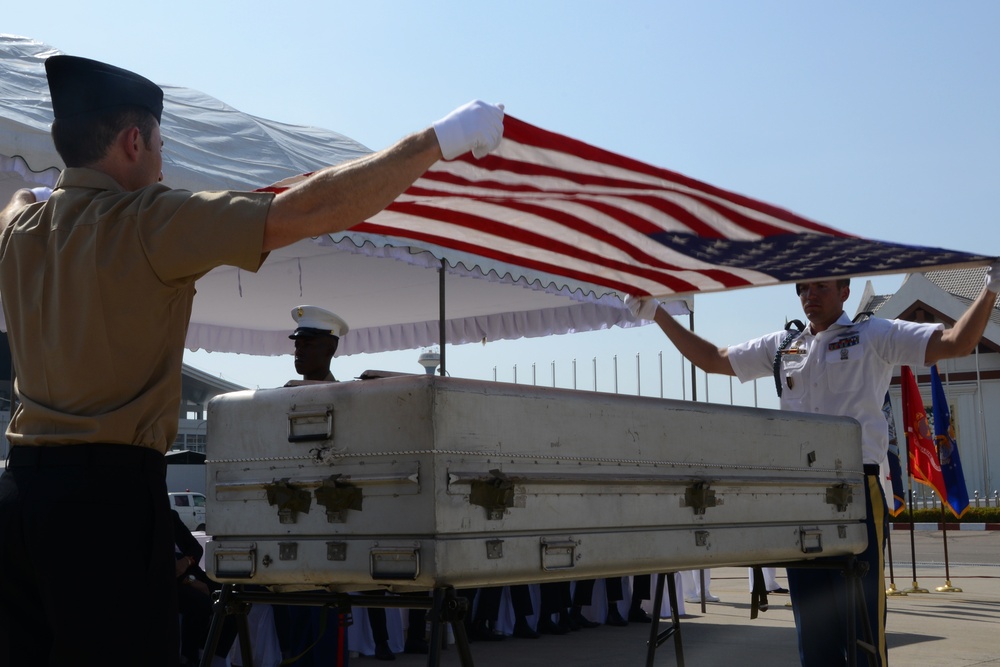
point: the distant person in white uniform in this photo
(691, 583)
(771, 584)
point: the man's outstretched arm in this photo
(338, 197)
(696, 349)
(962, 338)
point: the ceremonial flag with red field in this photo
(923, 456)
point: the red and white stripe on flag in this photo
(557, 206)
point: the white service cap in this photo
(315, 321)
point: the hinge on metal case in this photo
(289, 499)
(495, 494)
(699, 497)
(840, 495)
(338, 497)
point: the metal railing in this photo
(925, 498)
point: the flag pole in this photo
(908, 387)
(947, 588)
(915, 588)
(942, 436)
(895, 473)
(892, 590)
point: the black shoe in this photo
(567, 621)
(580, 620)
(779, 591)
(523, 630)
(638, 615)
(383, 652)
(547, 627)
(482, 631)
(418, 646)
(615, 618)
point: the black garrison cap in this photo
(81, 85)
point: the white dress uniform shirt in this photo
(843, 371)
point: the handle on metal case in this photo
(402, 562)
(237, 561)
(558, 555)
(310, 426)
(811, 540)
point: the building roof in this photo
(965, 283)
(940, 296)
(197, 386)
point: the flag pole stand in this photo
(892, 578)
(947, 588)
(915, 588)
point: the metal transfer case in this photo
(419, 482)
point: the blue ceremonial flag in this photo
(957, 496)
(898, 503)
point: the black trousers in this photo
(556, 598)
(85, 581)
(488, 608)
(584, 591)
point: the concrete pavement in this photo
(934, 629)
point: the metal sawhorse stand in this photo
(851, 568)
(443, 604)
(656, 638)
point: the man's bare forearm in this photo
(699, 351)
(341, 196)
(961, 339)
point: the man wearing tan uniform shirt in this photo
(97, 287)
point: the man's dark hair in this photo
(85, 139)
(841, 282)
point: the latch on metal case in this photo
(289, 499)
(495, 494)
(840, 495)
(338, 497)
(699, 497)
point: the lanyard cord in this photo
(794, 328)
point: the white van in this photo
(191, 508)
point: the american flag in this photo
(556, 207)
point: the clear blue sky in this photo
(880, 119)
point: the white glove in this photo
(41, 193)
(477, 126)
(993, 277)
(643, 308)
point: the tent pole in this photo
(441, 318)
(694, 369)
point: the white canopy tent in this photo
(390, 295)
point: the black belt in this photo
(872, 469)
(91, 454)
